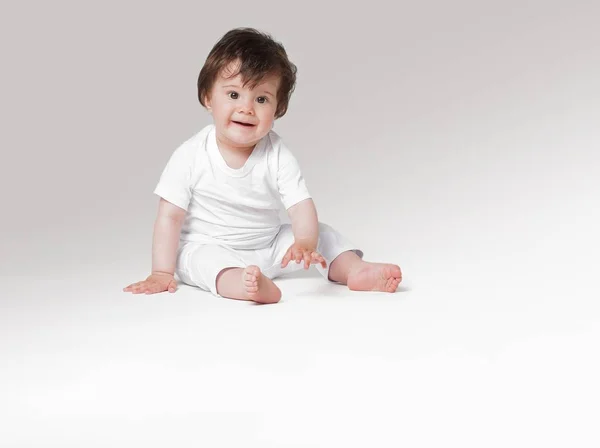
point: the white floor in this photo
(453, 358)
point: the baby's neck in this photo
(235, 158)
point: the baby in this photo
(218, 225)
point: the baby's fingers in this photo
(141, 288)
(132, 287)
(159, 287)
(307, 259)
(286, 258)
(317, 258)
(152, 288)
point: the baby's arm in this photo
(165, 242)
(305, 227)
(305, 223)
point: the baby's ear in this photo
(207, 103)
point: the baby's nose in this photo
(247, 108)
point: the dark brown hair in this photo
(260, 56)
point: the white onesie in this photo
(232, 215)
(235, 207)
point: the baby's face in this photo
(242, 116)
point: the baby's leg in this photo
(349, 269)
(344, 262)
(225, 272)
(247, 284)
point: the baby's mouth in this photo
(248, 125)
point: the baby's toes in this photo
(252, 272)
(393, 285)
(251, 277)
(251, 285)
(252, 281)
(253, 269)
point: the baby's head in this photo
(246, 84)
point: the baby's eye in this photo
(233, 95)
(262, 99)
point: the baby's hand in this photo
(156, 282)
(299, 252)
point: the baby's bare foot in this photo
(259, 288)
(375, 277)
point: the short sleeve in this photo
(290, 183)
(175, 184)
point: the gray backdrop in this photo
(427, 132)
